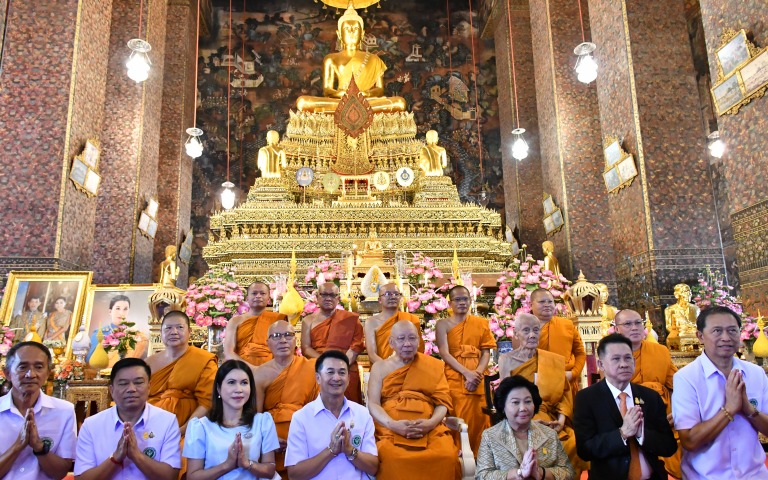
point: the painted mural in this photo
(275, 55)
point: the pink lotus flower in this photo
(413, 305)
(430, 308)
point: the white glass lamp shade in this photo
(194, 147)
(228, 196)
(586, 67)
(716, 145)
(138, 63)
(519, 146)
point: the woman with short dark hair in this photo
(232, 442)
(517, 447)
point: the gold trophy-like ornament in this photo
(167, 296)
(680, 319)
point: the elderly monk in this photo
(408, 397)
(284, 384)
(559, 335)
(245, 337)
(547, 371)
(330, 328)
(465, 343)
(653, 369)
(379, 326)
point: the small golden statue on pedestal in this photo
(607, 312)
(271, 158)
(433, 158)
(167, 296)
(373, 252)
(550, 260)
(680, 319)
(339, 68)
(169, 272)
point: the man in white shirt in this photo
(133, 439)
(331, 437)
(621, 427)
(38, 434)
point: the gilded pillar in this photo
(571, 155)
(522, 179)
(130, 150)
(663, 226)
(53, 86)
(746, 158)
(174, 181)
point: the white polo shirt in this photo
(55, 420)
(157, 433)
(310, 434)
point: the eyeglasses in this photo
(637, 324)
(278, 335)
(392, 295)
(328, 295)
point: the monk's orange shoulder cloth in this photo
(341, 331)
(382, 334)
(251, 343)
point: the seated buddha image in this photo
(681, 316)
(339, 68)
(433, 158)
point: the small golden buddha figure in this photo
(550, 260)
(338, 69)
(373, 249)
(433, 158)
(607, 312)
(681, 316)
(271, 158)
(169, 272)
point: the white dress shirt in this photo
(645, 467)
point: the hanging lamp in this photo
(519, 145)
(193, 145)
(138, 63)
(586, 67)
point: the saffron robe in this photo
(547, 371)
(465, 343)
(283, 398)
(382, 334)
(413, 392)
(252, 338)
(341, 331)
(654, 369)
(561, 336)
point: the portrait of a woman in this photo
(119, 309)
(59, 321)
(517, 447)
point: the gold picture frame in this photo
(47, 287)
(553, 217)
(98, 314)
(742, 72)
(92, 154)
(620, 169)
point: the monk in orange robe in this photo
(245, 337)
(465, 343)
(182, 375)
(547, 371)
(408, 397)
(284, 384)
(379, 326)
(559, 335)
(332, 329)
(653, 369)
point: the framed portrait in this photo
(548, 224)
(144, 222)
(549, 205)
(91, 154)
(185, 252)
(733, 54)
(557, 219)
(107, 306)
(152, 207)
(611, 178)
(92, 182)
(79, 172)
(627, 169)
(152, 228)
(613, 153)
(727, 94)
(755, 73)
(52, 302)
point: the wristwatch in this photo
(44, 451)
(352, 456)
(520, 472)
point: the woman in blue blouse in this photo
(232, 442)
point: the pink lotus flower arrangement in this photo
(6, 340)
(324, 270)
(215, 298)
(428, 334)
(421, 270)
(122, 338)
(514, 293)
(712, 290)
(428, 300)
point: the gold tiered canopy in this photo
(362, 176)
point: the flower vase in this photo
(215, 338)
(60, 389)
(502, 347)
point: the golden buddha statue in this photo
(607, 312)
(338, 69)
(550, 260)
(169, 272)
(433, 158)
(271, 158)
(680, 317)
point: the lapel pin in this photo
(639, 401)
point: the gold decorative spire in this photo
(455, 268)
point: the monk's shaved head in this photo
(403, 327)
(388, 287)
(526, 319)
(528, 330)
(328, 287)
(280, 326)
(626, 314)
